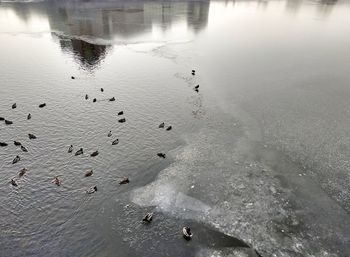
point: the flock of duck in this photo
(186, 231)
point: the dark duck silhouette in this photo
(16, 159)
(196, 87)
(161, 155)
(3, 144)
(8, 122)
(89, 173)
(24, 149)
(94, 154)
(193, 72)
(42, 105)
(91, 190)
(17, 143)
(122, 120)
(14, 182)
(2, 118)
(79, 152)
(186, 232)
(169, 128)
(115, 142)
(14, 106)
(161, 125)
(120, 113)
(72, 77)
(109, 133)
(70, 149)
(86, 97)
(102, 89)
(148, 217)
(112, 99)
(31, 136)
(22, 172)
(124, 180)
(29, 116)
(94, 100)
(56, 181)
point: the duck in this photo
(56, 181)
(161, 155)
(8, 122)
(14, 106)
(24, 149)
(91, 190)
(120, 113)
(94, 100)
(169, 128)
(161, 125)
(22, 172)
(2, 118)
(86, 97)
(16, 159)
(72, 77)
(186, 232)
(102, 89)
(29, 116)
(196, 90)
(122, 120)
(31, 136)
(196, 87)
(42, 105)
(70, 149)
(14, 182)
(94, 154)
(79, 152)
(148, 217)
(3, 144)
(115, 142)
(89, 173)
(124, 180)
(17, 143)
(109, 133)
(193, 72)
(112, 99)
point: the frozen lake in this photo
(257, 159)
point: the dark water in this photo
(258, 157)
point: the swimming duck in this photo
(14, 182)
(91, 190)
(148, 217)
(161, 155)
(120, 113)
(14, 106)
(112, 99)
(193, 72)
(3, 144)
(86, 97)
(102, 89)
(89, 173)
(161, 125)
(56, 181)
(125, 180)
(22, 172)
(109, 133)
(94, 154)
(29, 116)
(169, 128)
(196, 87)
(186, 231)
(2, 118)
(17, 143)
(42, 105)
(115, 142)
(16, 159)
(24, 149)
(31, 136)
(122, 120)
(70, 149)
(79, 152)
(72, 77)
(196, 90)
(8, 122)
(94, 100)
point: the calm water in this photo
(259, 155)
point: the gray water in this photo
(258, 157)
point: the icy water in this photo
(257, 159)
